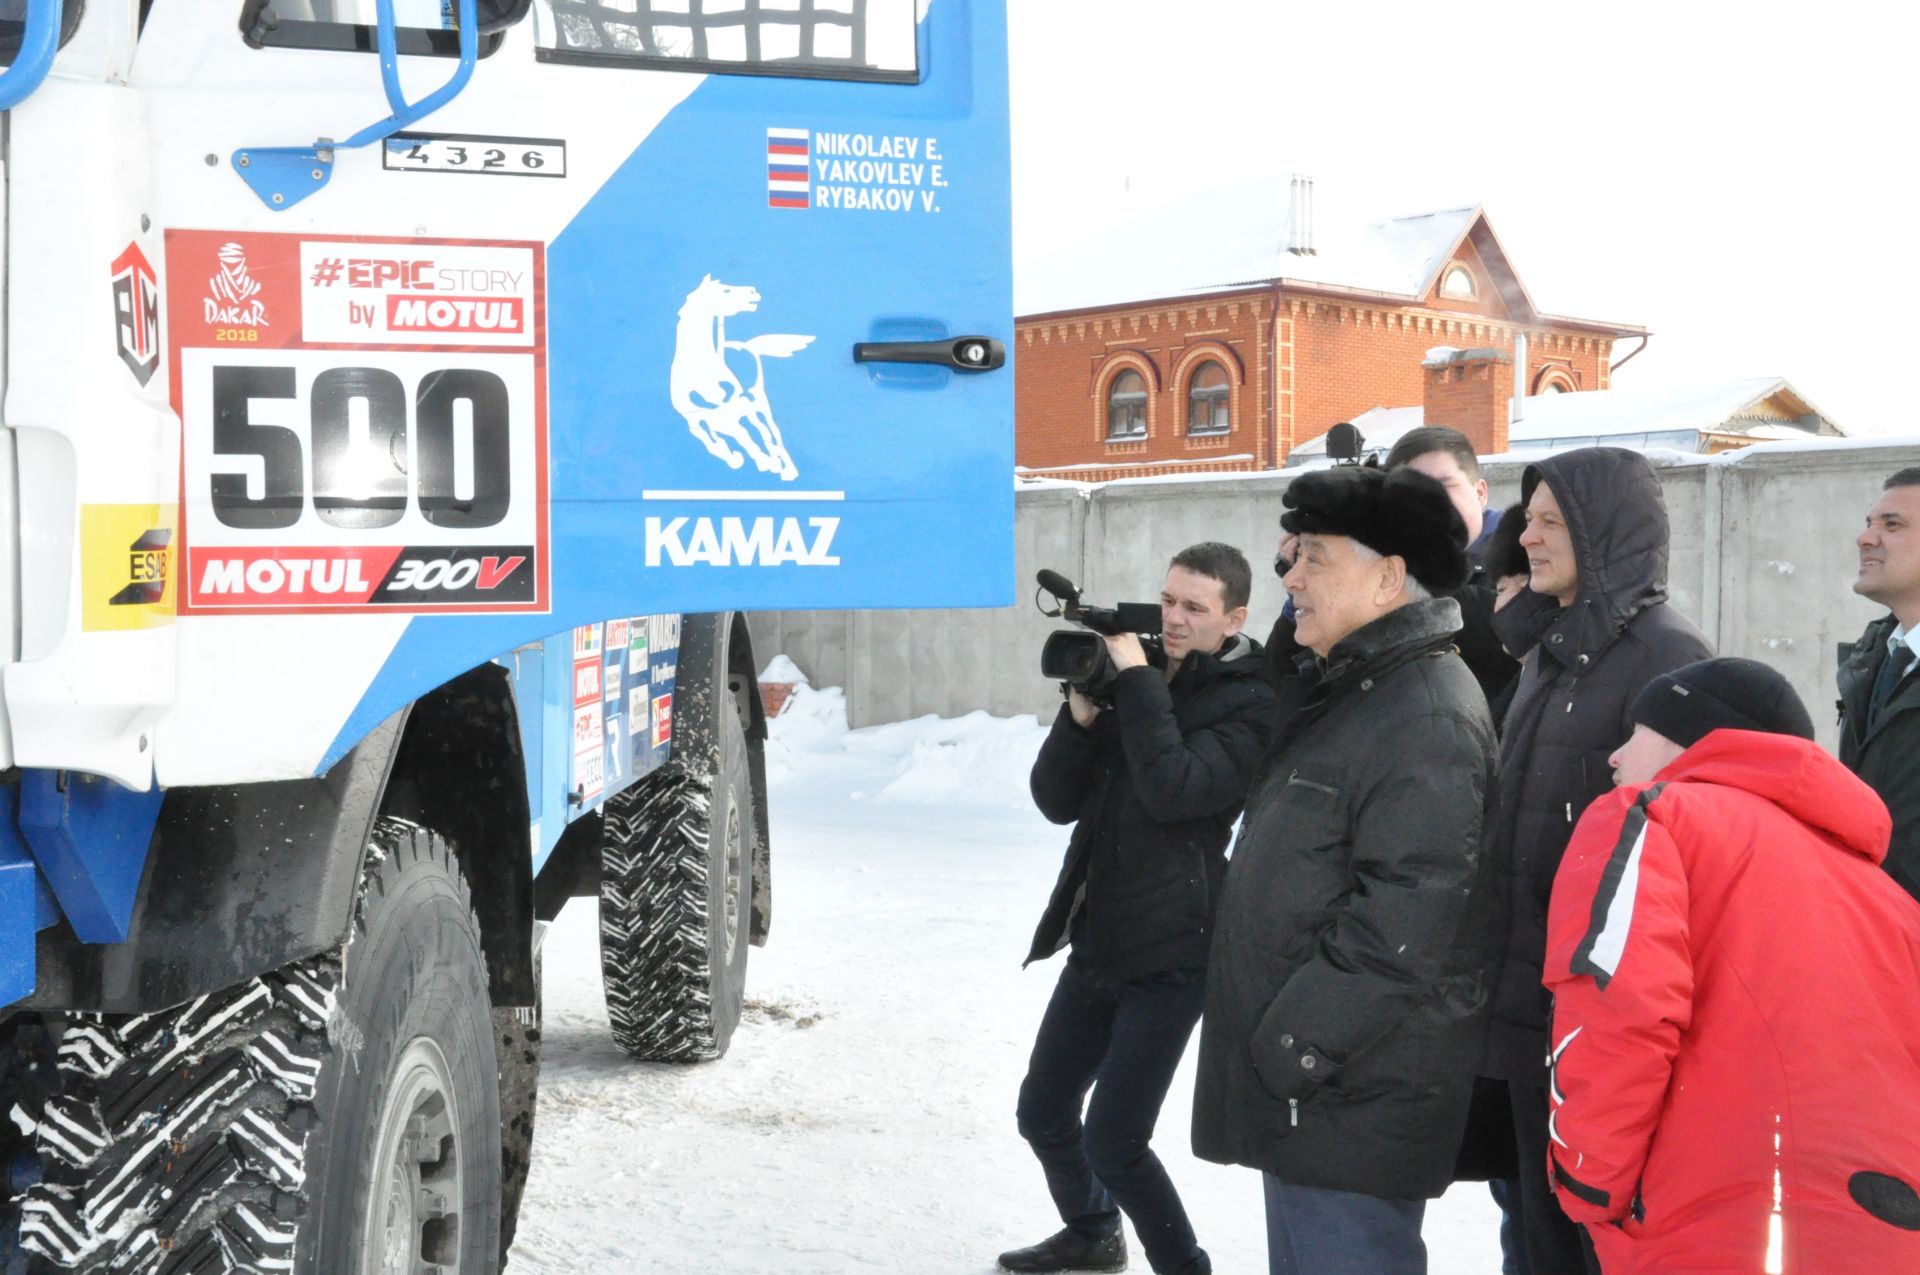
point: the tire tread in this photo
(655, 954)
(177, 1141)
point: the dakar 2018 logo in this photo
(234, 295)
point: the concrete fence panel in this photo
(1762, 560)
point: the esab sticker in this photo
(363, 423)
(126, 567)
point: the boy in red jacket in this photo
(1736, 1021)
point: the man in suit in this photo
(1879, 694)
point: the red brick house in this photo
(1220, 333)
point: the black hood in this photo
(1238, 656)
(1617, 519)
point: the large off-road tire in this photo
(337, 1117)
(516, 1037)
(675, 884)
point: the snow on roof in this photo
(1697, 407)
(1234, 237)
(1381, 427)
(1719, 407)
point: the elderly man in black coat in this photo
(1344, 993)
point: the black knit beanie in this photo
(1688, 703)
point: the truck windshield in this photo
(13, 19)
(823, 39)
(425, 26)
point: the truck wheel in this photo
(337, 1117)
(516, 1035)
(676, 880)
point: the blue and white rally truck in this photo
(403, 401)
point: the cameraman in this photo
(1153, 785)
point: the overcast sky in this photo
(1740, 179)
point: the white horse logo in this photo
(720, 409)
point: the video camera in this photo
(1080, 660)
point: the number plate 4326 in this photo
(474, 153)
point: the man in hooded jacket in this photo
(1344, 994)
(1736, 1075)
(1593, 629)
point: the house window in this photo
(1208, 411)
(1458, 282)
(1554, 380)
(1127, 407)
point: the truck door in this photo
(723, 444)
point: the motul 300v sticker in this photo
(363, 423)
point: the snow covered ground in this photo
(863, 1120)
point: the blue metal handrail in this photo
(39, 41)
(284, 175)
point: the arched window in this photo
(1208, 409)
(1458, 282)
(1555, 380)
(1127, 407)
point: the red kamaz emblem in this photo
(136, 313)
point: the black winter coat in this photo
(1888, 757)
(1345, 997)
(1153, 788)
(1569, 712)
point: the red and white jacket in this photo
(1736, 1022)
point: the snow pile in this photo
(813, 722)
(977, 761)
(782, 669)
(973, 759)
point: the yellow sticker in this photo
(126, 566)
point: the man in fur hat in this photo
(1344, 993)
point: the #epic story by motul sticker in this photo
(363, 423)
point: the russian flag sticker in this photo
(787, 166)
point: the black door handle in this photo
(961, 353)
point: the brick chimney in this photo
(1471, 391)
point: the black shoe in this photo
(1066, 1251)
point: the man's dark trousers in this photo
(1123, 1040)
(1556, 1245)
(1313, 1231)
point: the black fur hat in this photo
(1503, 555)
(1396, 513)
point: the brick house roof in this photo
(1756, 408)
(1237, 238)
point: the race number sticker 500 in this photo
(334, 459)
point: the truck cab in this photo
(405, 407)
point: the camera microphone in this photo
(1058, 585)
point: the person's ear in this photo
(1480, 489)
(1393, 579)
(1236, 619)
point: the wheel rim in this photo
(415, 1196)
(731, 920)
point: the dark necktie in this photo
(1895, 667)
